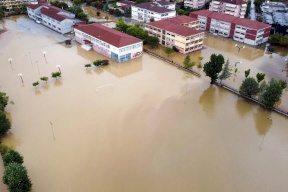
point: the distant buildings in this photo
(113, 44)
(52, 17)
(180, 31)
(195, 4)
(239, 29)
(157, 10)
(10, 5)
(235, 8)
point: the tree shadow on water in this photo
(58, 83)
(263, 121)
(207, 99)
(244, 107)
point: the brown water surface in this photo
(138, 126)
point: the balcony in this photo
(230, 5)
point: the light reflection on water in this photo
(154, 128)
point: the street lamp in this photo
(20, 75)
(238, 62)
(58, 66)
(10, 61)
(239, 47)
(44, 54)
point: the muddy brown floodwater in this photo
(140, 126)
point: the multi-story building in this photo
(195, 4)
(179, 32)
(155, 10)
(52, 17)
(235, 8)
(118, 46)
(240, 29)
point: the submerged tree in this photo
(5, 124)
(3, 100)
(44, 78)
(249, 87)
(226, 72)
(213, 67)
(271, 92)
(260, 77)
(97, 63)
(12, 156)
(187, 62)
(247, 73)
(200, 58)
(35, 84)
(56, 74)
(168, 50)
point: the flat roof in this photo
(222, 17)
(251, 24)
(204, 13)
(151, 6)
(181, 19)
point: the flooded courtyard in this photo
(142, 125)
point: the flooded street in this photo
(142, 125)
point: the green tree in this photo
(3, 100)
(4, 148)
(187, 62)
(152, 19)
(98, 13)
(97, 63)
(137, 31)
(200, 58)
(87, 65)
(44, 78)
(5, 124)
(275, 38)
(17, 11)
(249, 87)
(247, 13)
(107, 18)
(247, 73)
(152, 41)
(142, 1)
(283, 84)
(121, 25)
(12, 156)
(16, 178)
(82, 16)
(76, 2)
(168, 50)
(175, 49)
(226, 72)
(270, 93)
(260, 77)
(56, 74)
(284, 40)
(1, 13)
(35, 84)
(180, 12)
(213, 67)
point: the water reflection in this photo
(263, 121)
(58, 83)
(244, 107)
(207, 99)
(37, 92)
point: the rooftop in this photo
(54, 12)
(251, 24)
(174, 28)
(181, 19)
(34, 6)
(127, 2)
(204, 13)
(106, 34)
(222, 17)
(151, 6)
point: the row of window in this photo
(53, 20)
(130, 47)
(52, 25)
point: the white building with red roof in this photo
(53, 17)
(158, 10)
(240, 29)
(114, 44)
(235, 8)
(180, 31)
(195, 4)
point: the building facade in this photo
(239, 29)
(156, 10)
(195, 4)
(118, 46)
(180, 32)
(235, 8)
(52, 17)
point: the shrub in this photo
(5, 124)
(12, 156)
(3, 148)
(16, 178)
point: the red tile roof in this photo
(251, 24)
(174, 28)
(181, 19)
(111, 36)
(222, 17)
(204, 13)
(53, 12)
(34, 6)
